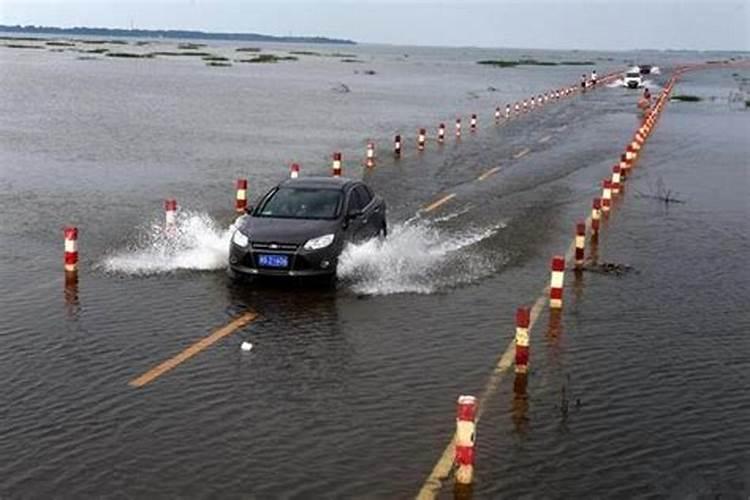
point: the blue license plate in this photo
(273, 260)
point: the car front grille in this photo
(275, 247)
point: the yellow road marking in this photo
(444, 465)
(194, 349)
(436, 204)
(545, 139)
(488, 173)
(521, 153)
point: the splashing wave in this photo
(196, 242)
(417, 257)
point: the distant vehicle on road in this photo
(633, 78)
(301, 226)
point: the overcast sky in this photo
(574, 24)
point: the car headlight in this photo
(319, 242)
(240, 239)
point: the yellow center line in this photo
(521, 153)
(488, 173)
(194, 349)
(436, 204)
(444, 465)
(545, 139)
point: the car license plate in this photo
(273, 260)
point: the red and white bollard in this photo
(556, 282)
(497, 114)
(532, 102)
(294, 171)
(466, 413)
(458, 127)
(522, 339)
(606, 195)
(616, 179)
(624, 166)
(525, 106)
(170, 213)
(336, 165)
(441, 133)
(421, 137)
(397, 145)
(370, 158)
(630, 154)
(580, 244)
(71, 249)
(596, 215)
(473, 123)
(507, 111)
(517, 108)
(240, 202)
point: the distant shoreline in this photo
(170, 34)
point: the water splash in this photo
(620, 82)
(196, 242)
(416, 258)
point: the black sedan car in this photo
(300, 227)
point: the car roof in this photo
(319, 182)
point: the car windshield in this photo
(633, 75)
(302, 203)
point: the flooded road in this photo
(349, 392)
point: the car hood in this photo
(298, 231)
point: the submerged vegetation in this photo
(22, 46)
(60, 43)
(215, 58)
(130, 55)
(686, 98)
(247, 49)
(194, 54)
(500, 63)
(218, 63)
(190, 46)
(267, 58)
(305, 53)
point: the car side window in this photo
(364, 194)
(355, 201)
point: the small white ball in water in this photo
(246, 346)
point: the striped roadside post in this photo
(466, 412)
(556, 282)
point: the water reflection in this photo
(520, 405)
(70, 294)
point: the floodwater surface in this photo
(639, 389)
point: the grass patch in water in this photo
(500, 63)
(267, 58)
(247, 49)
(686, 98)
(215, 58)
(60, 44)
(22, 46)
(130, 55)
(577, 63)
(218, 64)
(194, 54)
(351, 61)
(305, 53)
(190, 46)
(23, 39)
(99, 50)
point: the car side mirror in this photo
(249, 209)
